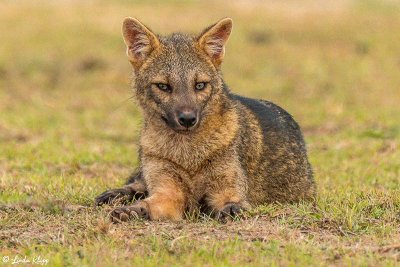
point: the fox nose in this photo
(187, 119)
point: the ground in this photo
(69, 129)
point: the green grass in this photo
(68, 131)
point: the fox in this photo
(203, 147)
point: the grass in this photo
(68, 131)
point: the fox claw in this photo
(123, 214)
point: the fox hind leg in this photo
(135, 189)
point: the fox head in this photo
(177, 78)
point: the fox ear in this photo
(212, 40)
(140, 41)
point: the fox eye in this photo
(164, 87)
(200, 86)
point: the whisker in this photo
(121, 104)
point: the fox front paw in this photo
(123, 214)
(229, 212)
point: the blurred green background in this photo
(69, 128)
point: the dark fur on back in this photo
(285, 171)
